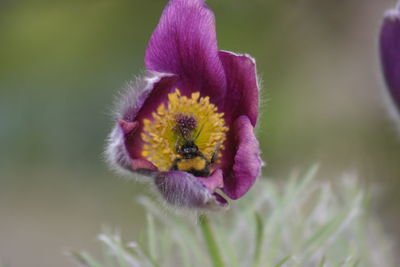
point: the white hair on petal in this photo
(240, 55)
(115, 153)
(393, 14)
(128, 98)
(179, 198)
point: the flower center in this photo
(183, 121)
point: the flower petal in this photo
(214, 181)
(241, 75)
(153, 85)
(184, 190)
(390, 53)
(241, 162)
(184, 43)
(124, 143)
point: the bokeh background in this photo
(63, 62)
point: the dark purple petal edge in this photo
(390, 53)
(243, 89)
(246, 163)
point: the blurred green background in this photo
(63, 62)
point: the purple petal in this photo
(241, 75)
(390, 53)
(214, 181)
(118, 155)
(124, 144)
(242, 159)
(128, 127)
(184, 190)
(184, 43)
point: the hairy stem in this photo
(211, 243)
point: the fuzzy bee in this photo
(190, 158)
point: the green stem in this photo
(259, 239)
(212, 245)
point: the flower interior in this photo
(183, 121)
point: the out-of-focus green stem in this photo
(259, 239)
(212, 245)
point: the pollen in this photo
(182, 118)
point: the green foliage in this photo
(303, 222)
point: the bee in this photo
(191, 159)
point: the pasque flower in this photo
(390, 53)
(188, 124)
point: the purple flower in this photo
(188, 125)
(390, 53)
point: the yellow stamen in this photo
(160, 135)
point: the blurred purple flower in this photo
(189, 123)
(390, 53)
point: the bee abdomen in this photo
(196, 163)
